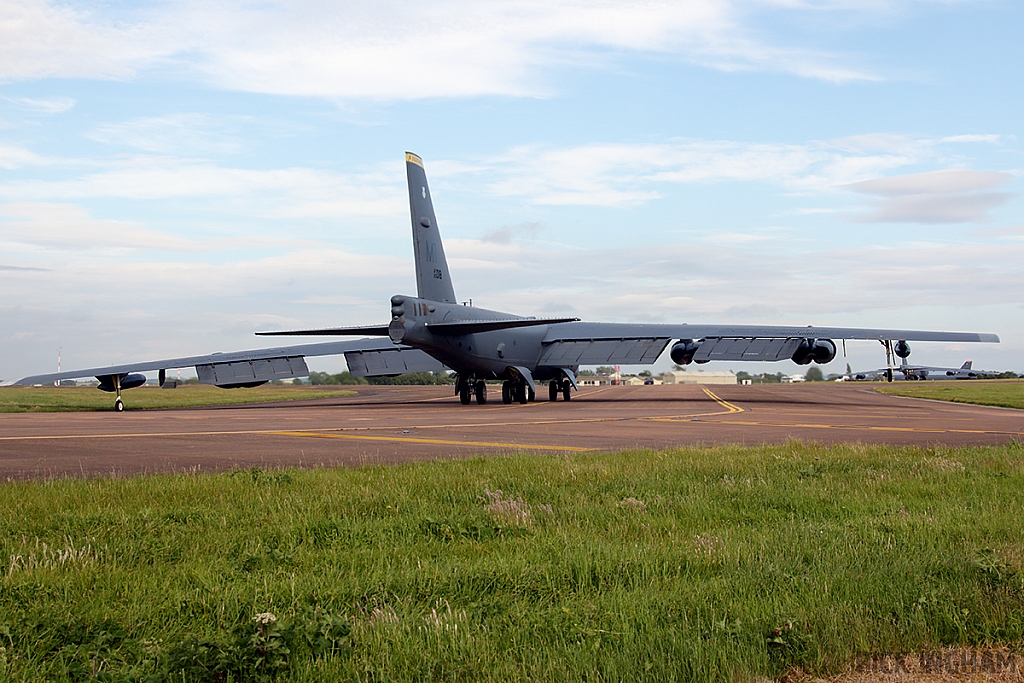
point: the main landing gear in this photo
(519, 391)
(469, 388)
(118, 403)
(556, 387)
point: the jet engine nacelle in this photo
(135, 379)
(683, 350)
(902, 349)
(819, 351)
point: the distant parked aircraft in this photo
(433, 331)
(912, 372)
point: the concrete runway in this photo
(396, 424)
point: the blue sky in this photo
(175, 176)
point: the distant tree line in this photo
(323, 378)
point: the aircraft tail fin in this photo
(433, 281)
(967, 365)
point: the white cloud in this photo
(972, 138)
(282, 193)
(397, 49)
(12, 158)
(946, 181)
(632, 174)
(173, 134)
(945, 196)
(57, 105)
(67, 227)
(40, 39)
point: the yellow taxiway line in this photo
(729, 409)
(440, 442)
(323, 435)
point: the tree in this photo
(742, 375)
(645, 373)
(322, 378)
(605, 369)
(414, 378)
(814, 375)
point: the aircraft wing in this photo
(366, 358)
(642, 343)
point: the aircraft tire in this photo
(481, 392)
(566, 391)
(506, 393)
(465, 394)
(119, 406)
(553, 391)
(522, 392)
(531, 395)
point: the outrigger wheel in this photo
(118, 403)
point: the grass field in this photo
(997, 392)
(73, 399)
(715, 564)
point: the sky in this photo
(177, 175)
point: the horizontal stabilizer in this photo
(367, 330)
(474, 326)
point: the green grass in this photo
(74, 399)
(1005, 393)
(698, 564)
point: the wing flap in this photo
(241, 373)
(746, 349)
(391, 362)
(598, 352)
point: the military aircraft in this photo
(433, 331)
(912, 372)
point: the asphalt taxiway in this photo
(397, 424)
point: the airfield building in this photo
(684, 377)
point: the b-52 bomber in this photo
(912, 372)
(432, 331)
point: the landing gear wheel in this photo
(481, 392)
(531, 395)
(888, 375)
(119, 406)
(506, 392)
(553, 390)
(522, 394)
(465, 394)
(566, 391)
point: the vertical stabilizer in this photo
(432, 278)
(967, 365)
